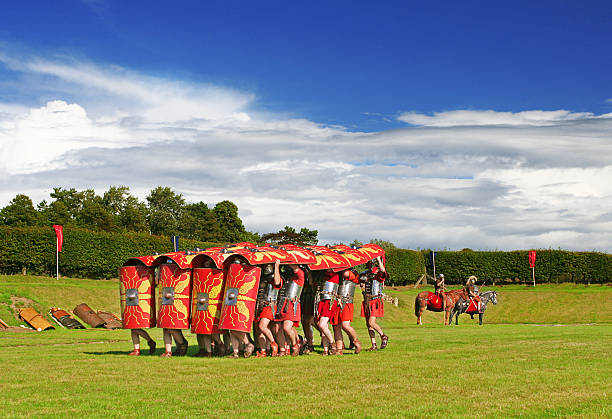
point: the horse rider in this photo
(439, 285)
(472, 290)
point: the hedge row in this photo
(89, 254)
(404, 266)
(85, 254)
(551, 266)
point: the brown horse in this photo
(450, 299)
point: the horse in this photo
(425, 299)
(462, 305)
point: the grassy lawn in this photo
(501, 370)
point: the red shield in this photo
(174, 295)
(137, 302)
(206, 300)
(240, 297)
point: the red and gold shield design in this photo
(137, 302)
(240, 297)
(174, 295)
(206, 300)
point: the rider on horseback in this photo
(472, 290)
(439, 285)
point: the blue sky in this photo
(473, 124)
(355, 64)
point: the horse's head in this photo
(494, 297)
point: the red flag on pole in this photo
(532, 258)
(60, 236)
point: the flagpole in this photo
(533, 272)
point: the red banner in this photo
(60, 236)
(532, 258)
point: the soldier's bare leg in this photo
(265, 333)
(307, 324)
(135, 334)
(204, 342)
(219, 345)
(292, 336)
(348, 328)
(339, 340)
(326, 335)
(279, 335)
(167, 343)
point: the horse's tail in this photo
(417, 304)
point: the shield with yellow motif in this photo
(239, 297)
(174, 297)
(206, 300)
(136, 291)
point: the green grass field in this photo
(501, 369)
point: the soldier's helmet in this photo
(268, 269)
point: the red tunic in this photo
(291, 310)
(324, 309)
(377, 308)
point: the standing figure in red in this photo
(288, 310)
(271, 283)
(372, 306)
(327, 307)
(344, 315)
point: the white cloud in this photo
(479, 179)
(490, 117)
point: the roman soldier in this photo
(372, 307)
(288, 311)
(327, 307)
(270, 284)
(344, 315)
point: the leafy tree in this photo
(386, 245)
(232, 229)
(129, 213)
(71, 198)
(56, 213)
(94, 214)
(20, 212)
(165, 210)
(289, 235)
(200, 223)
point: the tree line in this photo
(164, 212)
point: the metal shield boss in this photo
(136, 287)
(240, 297)
(206, 300)
(174, 295)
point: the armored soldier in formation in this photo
(288, 311)
(344, 315)
(270, 285)
(327, 308)
(372, 307)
